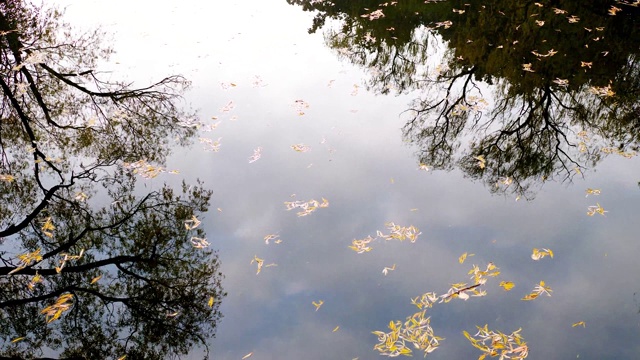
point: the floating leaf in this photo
(307, 206)
(592, 210)
(579, 323)
(300, 147)
(386, 270)
(192, 223)
(37, 278)
(257, 153)
(259, 262)
(318, 304)
(6, 177)
(270, 237)
(540, 289)
(199, 243)
(591, 191)
(493, 343)
(463, 257)
(507, 285)
(48, 227)
(62, 304)
(362, 245)
(27, 259)
(540, 253)
(416, 330)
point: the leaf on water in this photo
(416, 330)
(579, 323)
(424, 167)
(300, 147)
(18, 339)
(386, 270)
(144, 169)
(247, 356)
(259, 262)
(7, 177)
(257, 154)
(62, 304)
(527, 67)
(318, 304)
(335, 328)
(210, 144)
(374, 15)
(95, 279)
(592, 210)
(48, 227)
(199, 243)
(591, 191)
(307, 206)
(397, 232)
(192, 223)
(361, 246)
(495, 343)
(540, 289)
(270, 237)
(211, 301)
(463, 257)
(540, 253)
(507, 285)
(27, 259)
(37, 278)
(614, 10)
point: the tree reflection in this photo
(90, 268)
(562, 78)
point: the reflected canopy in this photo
(94, 264)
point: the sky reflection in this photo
(369, 177)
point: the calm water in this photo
(257, 59)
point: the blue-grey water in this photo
(258, 57)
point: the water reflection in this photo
(94, 265)
(521, 93)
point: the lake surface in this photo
(381, 149)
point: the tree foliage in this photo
(92, 266)
(562, 78)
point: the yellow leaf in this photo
(211, 300)
(6, 177)
(48, 225)
(336, 328)
(579, 323)
(18, 339)
(247, 356)
(95, 279)
(463, 257)
(507, 285)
